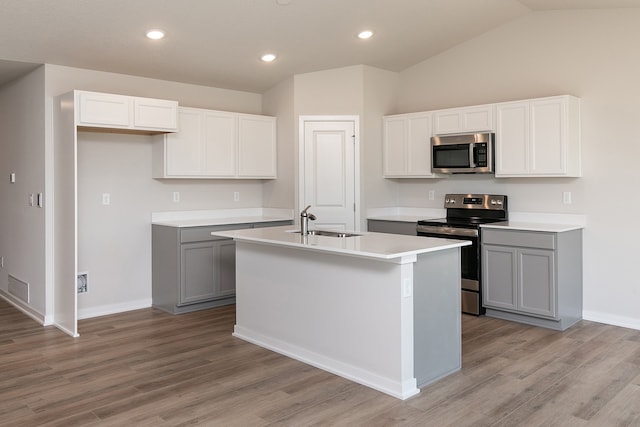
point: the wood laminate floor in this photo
(149, 368)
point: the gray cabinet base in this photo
(177, 309)
(558, 325)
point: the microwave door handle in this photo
(472, 155)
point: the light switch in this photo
(106, 199)
(566, 197)
(12, 178)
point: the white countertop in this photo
(202, 218)
(533, 226)
(405, 214)
(534, 221)
(381, 246)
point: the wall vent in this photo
(19, 288)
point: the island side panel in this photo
(344, 314)
(437, 322)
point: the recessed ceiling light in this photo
(155, 34)
(365, 34)
(269, 57)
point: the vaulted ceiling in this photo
(219, 42)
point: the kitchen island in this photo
(379, 309)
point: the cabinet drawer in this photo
(529, 239)
(201, 234)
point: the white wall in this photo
(358, 90)
(380, 89)
(592, 54)
(22, 151)
(278, 102)
(114, 242)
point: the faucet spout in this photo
(304, 220)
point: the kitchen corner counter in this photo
(203, 218)
(381, 246)
(533, 226)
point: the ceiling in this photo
(218, 42)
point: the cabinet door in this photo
(104, 110)
(512, 139)
(548, 137)
(419, 145)
(227, 268)
(155, 114)
(536, 282)
(198, 276)
(394, 146)
(499, 271)
(183, 150)
(219, 144)
(256, 146)
(466, 119)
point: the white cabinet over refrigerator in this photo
(538, 138)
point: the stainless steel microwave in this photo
(463, 153)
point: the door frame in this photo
(302, 119)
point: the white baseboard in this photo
(397, 389)
(105, 310)
(25, 308)
(609, 319)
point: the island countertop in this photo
(380, 246)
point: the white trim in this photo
(398, 389)
(25, 308)
(609, 319)
(105, 310)
(356, 160)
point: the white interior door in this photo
(329, 171)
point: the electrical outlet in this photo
(1, 262)
(30, 199)
(236, 196)
(106, 199)
(407, 288)
(12, 178)
(566, 197)
(176, 196)
(432, 194)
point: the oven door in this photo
(470, 263)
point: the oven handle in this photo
(449, 231)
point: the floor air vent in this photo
(19, 288)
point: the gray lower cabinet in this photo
(193, 270)
(393, 227)
(533, 277)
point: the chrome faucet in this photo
(304, 220)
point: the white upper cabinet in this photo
(128, 113)
(256, 146)
(217, 144)
(407, 146)
(480, 118)
(538, 138)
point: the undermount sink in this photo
(330, 233)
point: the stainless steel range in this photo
(465, 214)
